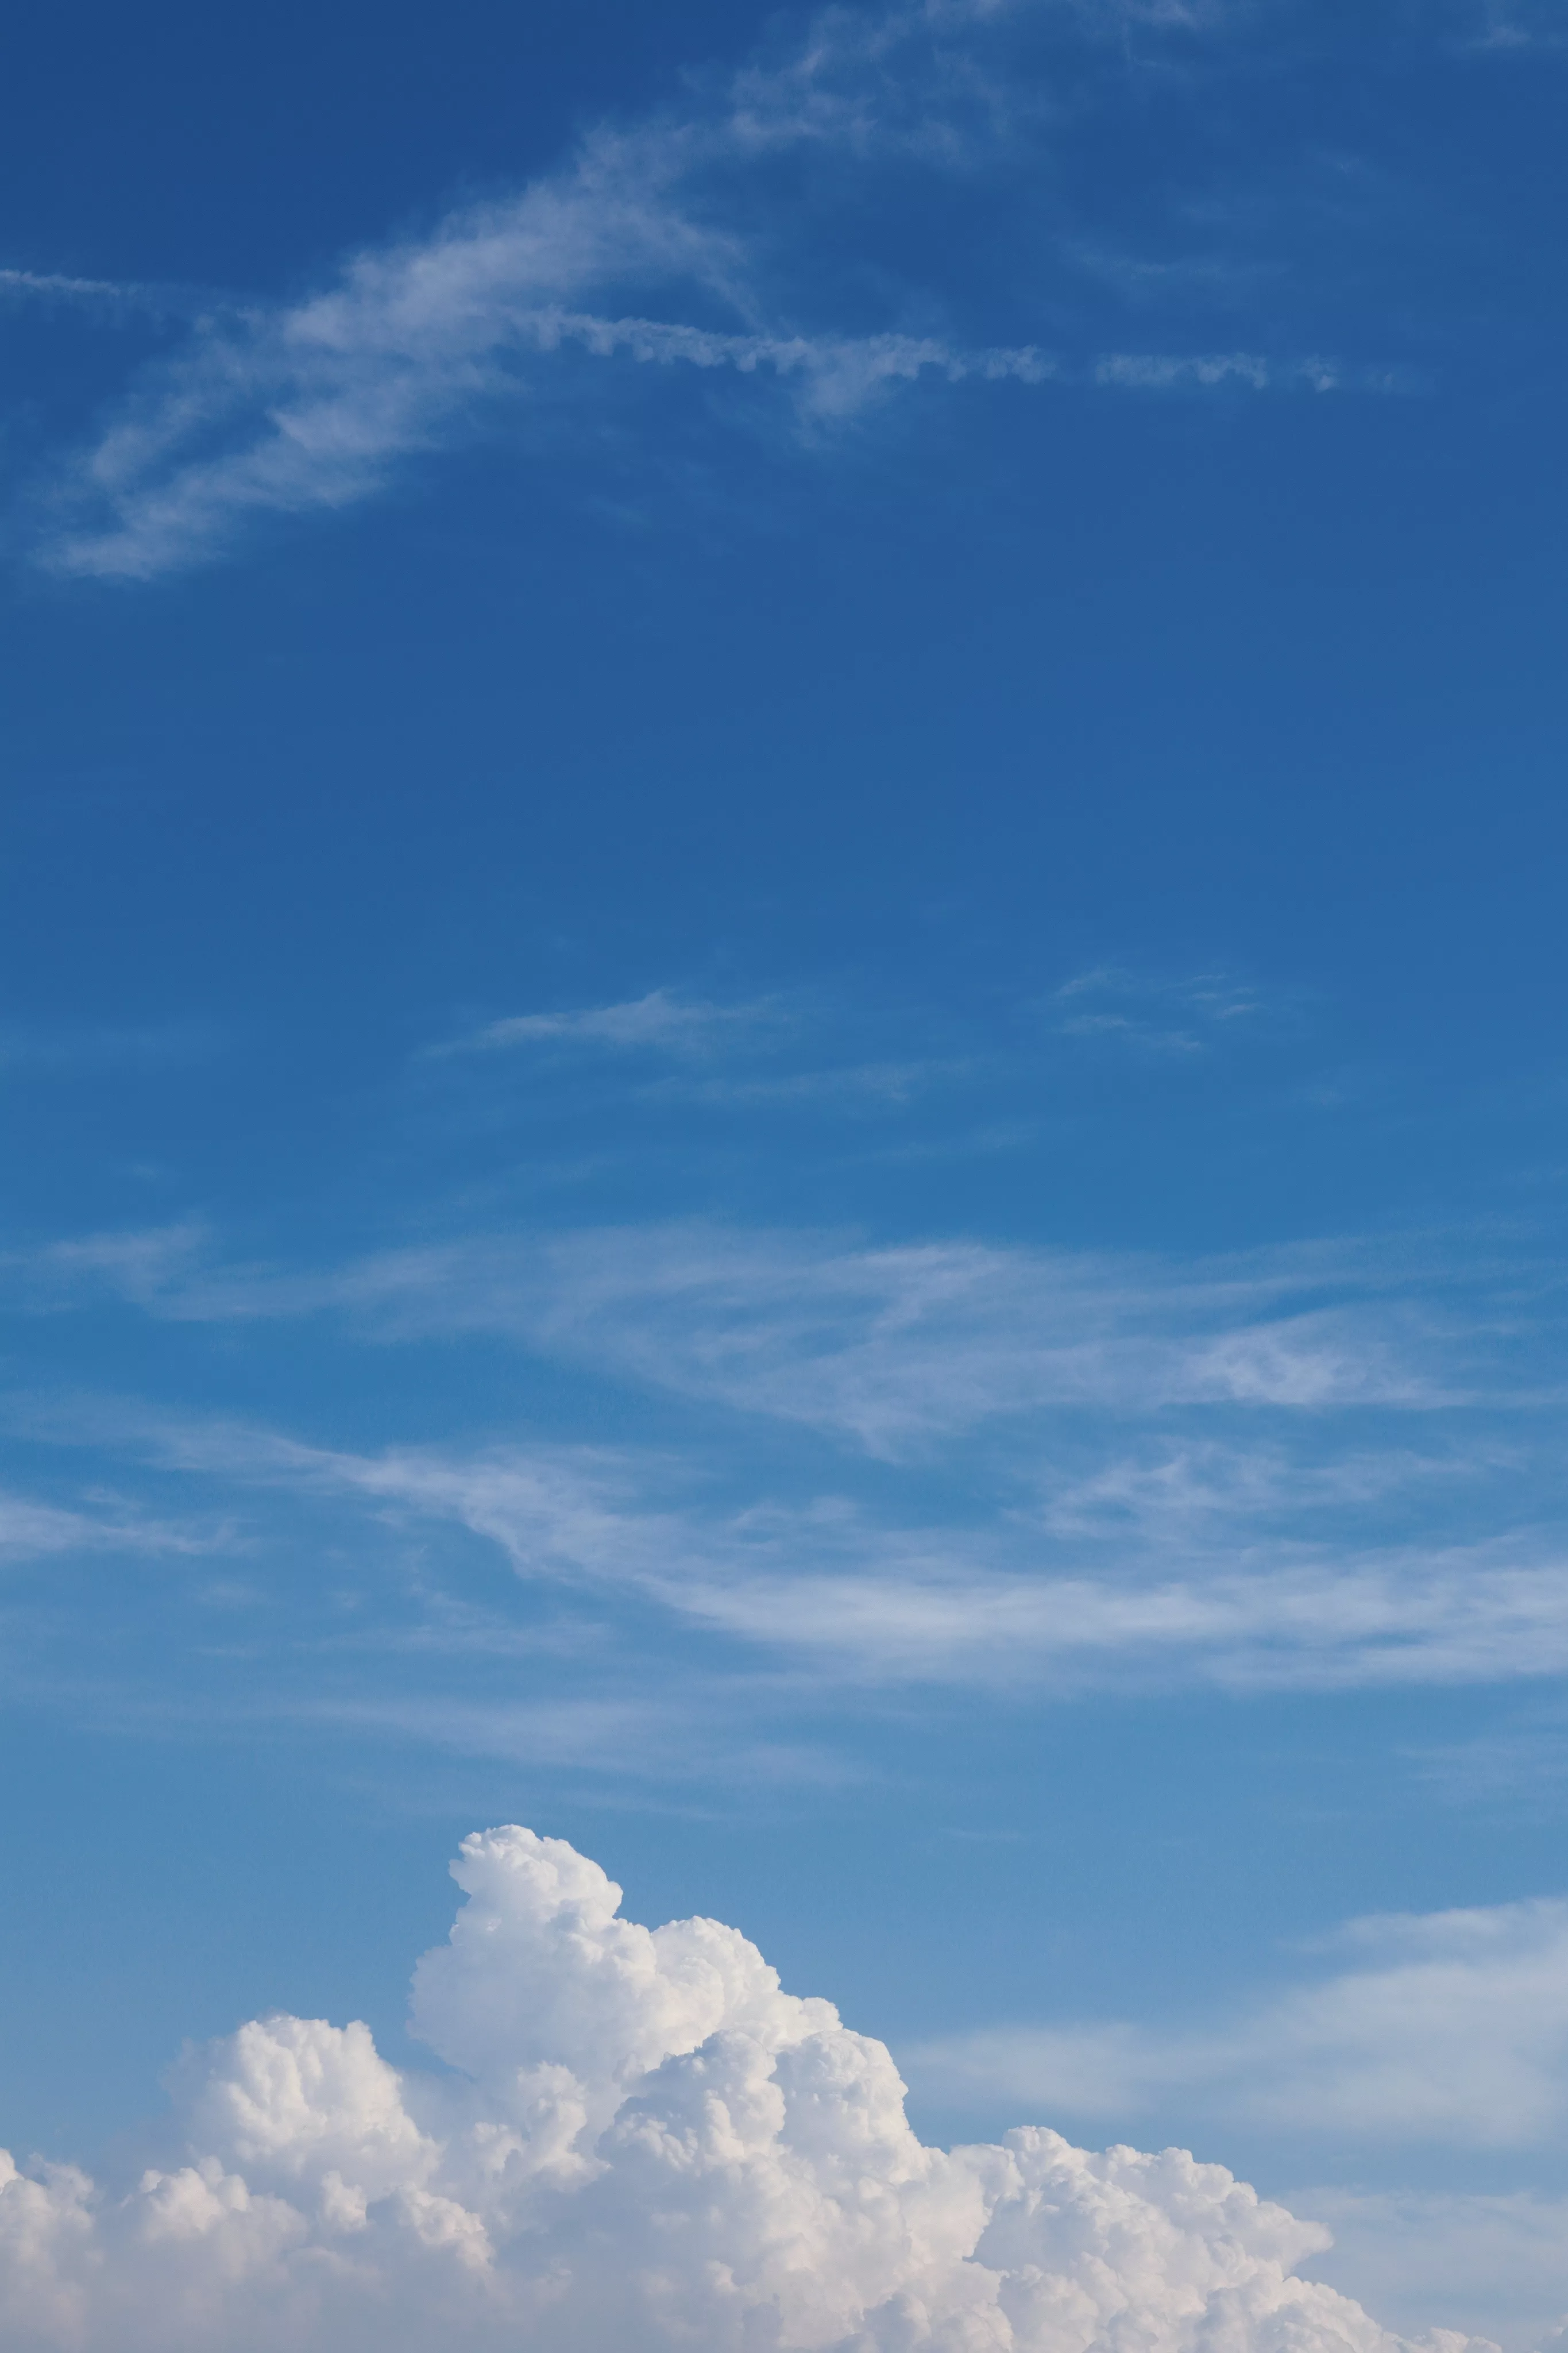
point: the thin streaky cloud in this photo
(113, 299)
(1215, 994)
(1268, 1625)
(1174, 1017)
(883, 1347)
(841, 372)
(48, 282)
(144, 1266)
(1453, 2029)
(662, 1020)
(1512, 25)
(860, 1085)
(1492, 2262)
(31, 1530)
(312, 407)
(856, 1596)
(887, 1346)
(338, 421)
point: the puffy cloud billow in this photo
(641, 2141)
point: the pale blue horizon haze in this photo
(785, 1035)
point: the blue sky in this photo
(783, 1021)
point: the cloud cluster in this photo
(639, 2140)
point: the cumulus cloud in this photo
(1450, 2027)
(639, 2140)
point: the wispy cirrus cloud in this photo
(1491, 2261)
(851, 1589)
(1512, 25)
(33, 1530)
(663, 243)
(950, 1464)
(108, 299)
(1166, 1015)
(887, 1346)
(663, 1020)
(143, 1266)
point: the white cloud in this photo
(893, 1347)
(286, 409)
(866, 1087)
(663, 1019)
(111, 298)
(34, 281)
(846, 1593)
(887, 1347)
(1511, 25)
(1488, 2262)
(30, 1530)
(1450, 2028)
(145, 1265)
(646, 2142)
(356, 382)
(273, 410)
(1166, 1015)
(1126, 1472)
(1152, 371)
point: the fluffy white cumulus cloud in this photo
(640, 2140)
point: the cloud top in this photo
(643, 2140)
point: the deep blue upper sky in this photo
(785, 1021)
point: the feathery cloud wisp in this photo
(1450, 2027)
(645, 246)
(663, 1020)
